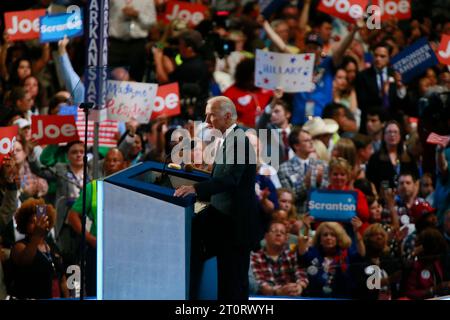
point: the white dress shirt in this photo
(123, 27)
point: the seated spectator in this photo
(275, 267)
(328, 259)
(430, 275)
(37, 272)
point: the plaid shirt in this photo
(292, 175)
(276, 273)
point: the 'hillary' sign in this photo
(332, 205)
(291, 72)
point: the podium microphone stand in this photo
(86, 106)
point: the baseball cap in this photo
(22, 123)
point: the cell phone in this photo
(385, 184)
(41, 210)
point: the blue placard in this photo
(55, 27)
(332, 205)
(414, 60)
(268, 7)
(69, 111)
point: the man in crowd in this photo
(301, 172)
(275, 267)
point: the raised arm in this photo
(339, 53)
(304, 16)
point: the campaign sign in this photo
(347, 10)
(399, 9)
(23, 25)
(68, 111)
(267, 7)
(332, 205)
(54, 27)
(167, 101)
(191, 13)
(126, 100)
(414, 60)
(7, 139)
(443, 52)
(292, 72)
(53, 129)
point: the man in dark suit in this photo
(380, 85)
(225, 227)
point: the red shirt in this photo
(249, 104)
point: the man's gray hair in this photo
(225, 105)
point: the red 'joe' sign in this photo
(54, 129)
(7, 139)
(399, 9)
(191, 13)
(23, 25)
(167, 101)
(347, 10)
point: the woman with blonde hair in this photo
(345, 148)
(339, 176)
(37, 269)
(328, 259)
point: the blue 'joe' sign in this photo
(54, 27)
(332, 205)
(414, 60)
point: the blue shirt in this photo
(316, 99)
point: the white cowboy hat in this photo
(318, 126)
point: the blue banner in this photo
(55, 27)
(414, 60)
(69, 111)
(332, 205)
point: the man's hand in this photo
(62, 45)
(183, 191)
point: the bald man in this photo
(226, 225)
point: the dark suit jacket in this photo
(368, 95)
(231, 189)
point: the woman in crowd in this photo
(388, 272)
(430, 276)
(37, 272)
(345, 148)
(327, 261)
(343, 93)
(392, 158)
(339, 177)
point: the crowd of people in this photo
(360, 129)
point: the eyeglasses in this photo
(275, 231)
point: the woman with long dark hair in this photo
(392, 158)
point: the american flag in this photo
(434, 138)
(108, 131)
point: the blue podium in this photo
(144, 236)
